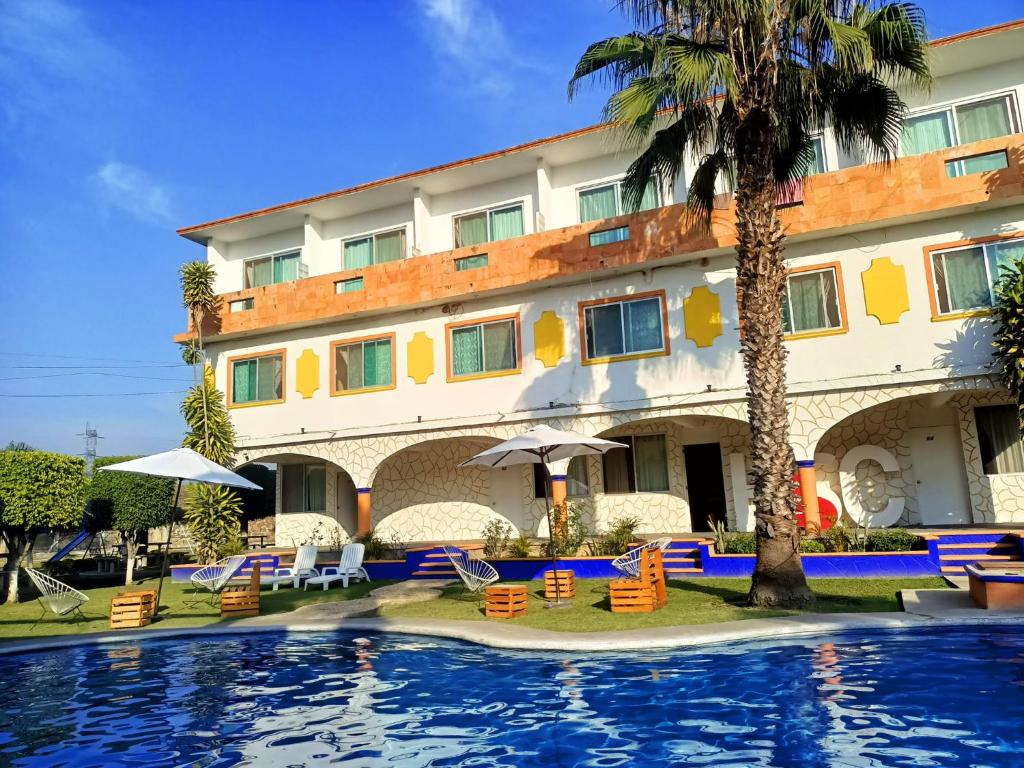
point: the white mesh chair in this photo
(303, 568)
(213, 578)
(349, 567)
(474, 572)
(629, 564)
(57, 596)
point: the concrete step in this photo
(975, 558)
(667, 560)
(980, 545)
(670, 571)
(435, 573)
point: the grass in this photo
(16, 619)
(698, 601)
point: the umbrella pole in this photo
(167, 549)
(548, 493)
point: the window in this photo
(488, 226)
(819, 165)
(608, 236)
(273, 269)
(624, 327)
(489, 347)
(959, 124)
(577, 484)
(811, 301)
(349, 286)
(963, 277)
(605, 201)
(989, 161)
(241, 305)
(304, 488)
(1002, 447)
(363, 364)
(471, 262)
(374, 249)
(257, 379)
(641, 466)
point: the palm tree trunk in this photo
(778, 575)
(197, 320)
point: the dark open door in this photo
(705, 485)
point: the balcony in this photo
(910, 188)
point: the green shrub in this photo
(496, 535)
(375, 547)
(893, 540)
(838, 538)
(569, 541)
(620, 535)
(811, 545)
(520, 547)
(740, 543)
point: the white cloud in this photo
(135, 192)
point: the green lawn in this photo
(698, 601)
(16, 620)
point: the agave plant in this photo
(743, 86)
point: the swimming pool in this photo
(949, 697)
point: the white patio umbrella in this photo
(181, 464)
(542, 445)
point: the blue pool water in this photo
(937, 698)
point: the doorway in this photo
(705, 485)
(940, 476)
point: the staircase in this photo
(430, 563)
(954, 550)
(682, 558)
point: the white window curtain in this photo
(650, 462)
(983, 120)
(927, 133)
(316, 488)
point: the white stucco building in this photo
(371, 339)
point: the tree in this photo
(200, 300)
(742, 86)
(1008, 337)
(38, 491)
(212, 513)
(211, 432)
(129, 504)
(18, 445)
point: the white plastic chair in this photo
(350, 566)
(474, 572)
(57, 596)
(213, 578)
(303, 567)
(629, 564)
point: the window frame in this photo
(248, 301)
(1010, 97)
(583, 306)
(372, 237)
(272, 255)
(837, 269)
(389, 337)
(517, 347)
(931, 251)
(538, 468)
(631, 464)
(305, 488)
(339, 285)
(282, 353)
(619, 207)
(820, 138)
(519, 202)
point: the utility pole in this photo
(91, 436)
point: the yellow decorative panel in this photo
(420, 355)
(885, 290)
(702, 313)
(307, 373)
(549, 339)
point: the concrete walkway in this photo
(949, 604)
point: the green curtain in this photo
(643, 325)
(962, 280)
(604, 330)
(650, 198)
(471, 230)
(806, 303)
(927, 133)
(389, 246)
(576, 481)
(599, 203)
(990, 161)
(377, 363)
(1004, 254)
(650, 462)
(499, 346)
(293, 480)
(358, 253)
(507, 222)
(243, 381)
(471, 262)
(259, 272)
(268, 378)
(467, 356)
(984, 120)
(286, 268)
(316, 488)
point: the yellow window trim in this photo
(361, 390)
(814, 334)
(253, 405)
(962, 315)
(624, 358)
(490, 375)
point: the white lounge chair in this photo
(474, 572)
(629, 564)
(303, 568)
(213, 578)
(349, 567)
(57, 596)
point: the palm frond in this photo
(700, 200)
(614, 61)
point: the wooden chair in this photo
(644, 594)
(236, 602)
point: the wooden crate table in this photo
(566, 584)
(505, 601)
(132, 609)
(236, 602)
(645, 594)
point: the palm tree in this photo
(199, 299)
(742, 86)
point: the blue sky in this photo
(121, 121)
